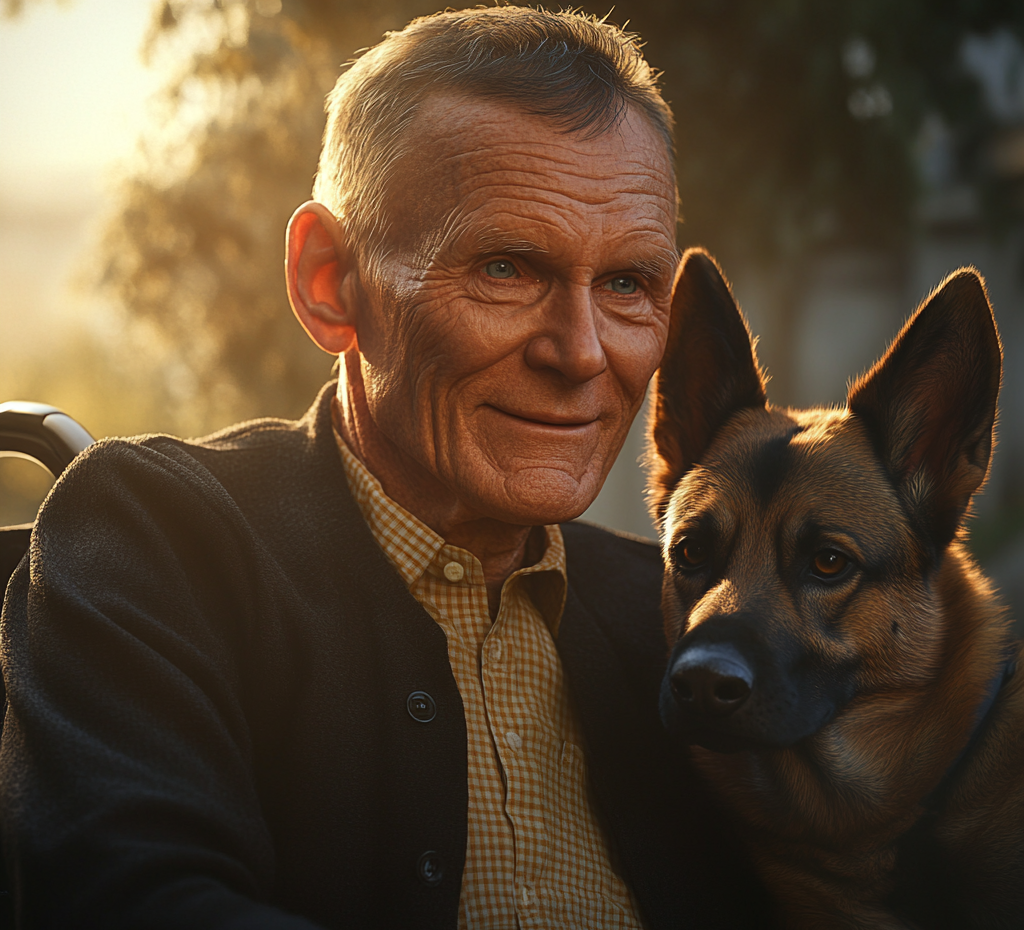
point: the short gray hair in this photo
(578, 71)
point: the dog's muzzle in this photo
(712, 680)
(728, 689)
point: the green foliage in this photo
(773, 160)
(783, 149)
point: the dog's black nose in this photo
(713, 679)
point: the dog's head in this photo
(801, 546)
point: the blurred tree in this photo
(798, 122)
(12, 8)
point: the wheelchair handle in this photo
(41, 432)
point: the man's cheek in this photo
(632, 375)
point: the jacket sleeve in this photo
(127, 785)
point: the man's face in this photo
(523, 306)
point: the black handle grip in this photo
(41, 432)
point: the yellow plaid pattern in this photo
(536, 858)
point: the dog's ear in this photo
(709, 371)
(929, 404)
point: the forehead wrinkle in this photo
(558, 150)
(504, 182)
(464, 109)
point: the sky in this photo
(72, 94)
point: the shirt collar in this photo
(412, 546)
(408, 542)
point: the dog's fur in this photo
(845, 714)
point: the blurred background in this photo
(838, 158)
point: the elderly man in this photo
(349, 671)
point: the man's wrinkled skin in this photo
(491, 382)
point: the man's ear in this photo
(320, 271)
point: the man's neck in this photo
(501, 548)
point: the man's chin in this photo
(541, 496)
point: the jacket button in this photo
(421, 707)
(430, 868)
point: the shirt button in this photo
(421, 706)
(514, 740)
(526, 894)
(430, 868)
(454, 571)
(494, 650)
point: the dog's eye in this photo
(829, 564)
(690, 552)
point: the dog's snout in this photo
(713, 679)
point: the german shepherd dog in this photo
(841, 665)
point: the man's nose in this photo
(566, 337)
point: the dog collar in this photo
(1006, 671)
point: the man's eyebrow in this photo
(664, 262)
(457, 233)
(461, 234)
(652, 263)
(497, 240)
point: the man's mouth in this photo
(549, 419)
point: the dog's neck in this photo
(982, 717)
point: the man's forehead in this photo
(469, 156)
(456, 127)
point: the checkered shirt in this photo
(536, 856)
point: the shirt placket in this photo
(458, 589)
(505, 675)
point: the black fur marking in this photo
(771, 465)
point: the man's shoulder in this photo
(260, 471)
(264, 500)
(161, 452)
(262, 450)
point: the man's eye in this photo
(500, 268)
(622, 285)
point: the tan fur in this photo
(914, 631)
